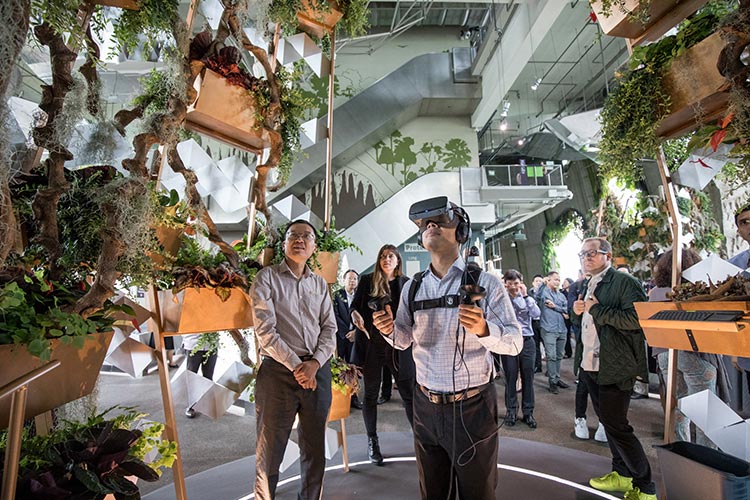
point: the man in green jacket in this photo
(611, 356)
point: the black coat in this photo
(361, 342)
(342, 311)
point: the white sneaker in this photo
(600, 435)
(582, 432)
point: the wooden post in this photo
(170, 422)
(676, 227)
(329, 145)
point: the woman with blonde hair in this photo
(371, 351)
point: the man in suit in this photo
(342, 305)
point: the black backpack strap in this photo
(416, 282)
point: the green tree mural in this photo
(317, 91)
(398, 150)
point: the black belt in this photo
(306, 357)
(445, 398)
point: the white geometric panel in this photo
(320, 64)
(303, 44)
(291, 455)
(237, 377)
(193, 155)
(215, 401)
(733, 439)
(714, 268)
(701, 166)
(313, 131)
(332, 442)
(290, 208)
(240, 176)
(211, 180)
(128, 354)
(212, 10)
(707, 411)
(23, 111)
(286, 53)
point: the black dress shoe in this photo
(530, 421)
(510, 419)
(356, 403)
(373, 451)
(562, 385)
(383, 399)
(638, 395)
(553, 389)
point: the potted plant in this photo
(632, 18)
(102, 456)
(319, 17)
(171, 216)
(203, 292)
(325, 260)
(344, 382)
(641, 111)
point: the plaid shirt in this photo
(434, 332)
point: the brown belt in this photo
(451, 397)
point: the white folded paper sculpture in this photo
(128, 354)
(701, 166)
(719, 422)
(714, 268)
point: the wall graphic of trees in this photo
(397, 155)
(350, 203)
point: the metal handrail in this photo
(18, 388)
(515, 175)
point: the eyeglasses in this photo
(591, 253)
(292, 236)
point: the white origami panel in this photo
(701, 166)
(128, 354)
(719, 422)
(714, 268)
(333, 443)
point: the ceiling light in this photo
(521, 141)
(536, 84)
(506, 108)
(504, 125)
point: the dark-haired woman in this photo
(371, 351)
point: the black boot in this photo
(373, 450)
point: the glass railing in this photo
(540, 174)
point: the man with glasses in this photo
(610, 357)
(455, 401)
(295, 325)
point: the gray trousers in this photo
(278, 400)
(554, 346)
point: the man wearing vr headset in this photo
(455, 404)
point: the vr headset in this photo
(443, 213)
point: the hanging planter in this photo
(225, 112)
(169, 238)
(340, 404)
(73, 379)
(630, 20)
(717, 337)
(329, 266)
(317, 20)
(200, 310)
(122, 4)
(698, 92)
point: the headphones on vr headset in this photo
(463, 229)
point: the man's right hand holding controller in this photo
(383, 320)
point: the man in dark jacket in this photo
(611, 356)
(342, 305)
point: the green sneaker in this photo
(636, 494)
(612, 482)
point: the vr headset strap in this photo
(449, 301)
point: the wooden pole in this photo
(170, 422)
(676, 227)
(329, 148)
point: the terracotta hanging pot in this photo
(316, 20)
(73, 379)
(340, 404)
(329, 266)
(200, 310)
(619, 22)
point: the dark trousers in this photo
(379, 355)
(511, 364)
(537, 341)
(628, 458)
(278, 400)
(206, 362)
(582, 398)
(386, 387)
(472, 464)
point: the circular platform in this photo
(527, 469)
